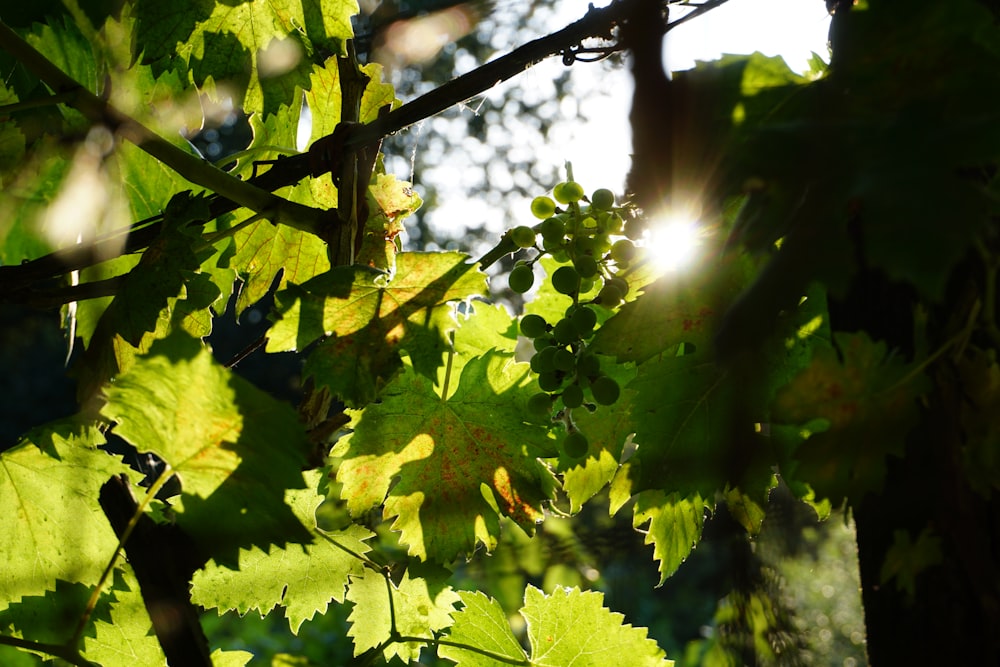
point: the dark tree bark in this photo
(163, 558)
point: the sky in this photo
(599, 143)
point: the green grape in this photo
(603, 199)
(543, 362)
(523, 236)
(521, 278)
(542, 342)
(553, 228)
(586, 266)
(634, 228)
(605, 390)
(568, 192)
(615, 224)
(620, 284)
(589, 223)
(564, 332)
(565, 280)
(587, 284)
(588, 366)
(561, 255)
(540, 404)
(583, 245)
(609, 296)
(601, 243)
(584, 320)
(542, 207)
(572, 396)
(575, 445)
(623, 251)
(533, 325)
(549, 381)
(564, 360)
(553, 245)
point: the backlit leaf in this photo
(234, 448)
(459, 462)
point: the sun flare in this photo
(673, 242)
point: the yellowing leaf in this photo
(861, 407)
(460, 462)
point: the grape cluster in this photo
(592, 239)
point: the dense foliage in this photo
(836, 342)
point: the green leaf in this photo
(906, 559)
(52, 528)
(681, 416)
(482, 624)
(234, 448)
(856, 409)
(570, 627)
(263, 249)
(370, 317)
(675, 525)
(234, 41)
(680, 307)
(420, 606)
(607, 429)
(126, 637)
(459, 462)
(301, 578)
(222, 658)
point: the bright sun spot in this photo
(673, 242)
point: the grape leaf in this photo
(607, 430)
(675, 525)
(677, 308)
(301, 578)
(234, 448)
(371, 317)
(867, 400)
(460, 462)
(389, 203)
(420, 606)
(52, 528)
(680, 418)
(222, 658)
(568, 627)
(234, 42)
(481, 623)
(126, 636)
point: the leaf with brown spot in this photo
(865, 403)
(460, 463)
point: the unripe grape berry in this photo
(543, 361)
(521, 278)
(586, 266)
(564, 332)
(565, 280)
(588, 365)
(620, 284)
(540, 404)
(610, 296)
(549, 381)
(564, 360)
(584, 320)
(533, 326)
(523, 236)
(542, 342)
(575, 445)
(572, 396)
(552, 228)
(623, 250)
(542, 207)
(568, 192)
(603, 199)
(605, 390)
